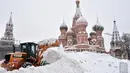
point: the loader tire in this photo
(27, 64)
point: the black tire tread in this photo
(26, 64)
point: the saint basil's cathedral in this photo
(76, 38)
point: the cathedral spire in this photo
(63, 21)
(97, 20)
(10, 20)
(115, 34)
(115, 27)
(78, 12)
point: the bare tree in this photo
(126, 43)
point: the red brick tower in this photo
(69, 36)
(92, 39)
(77, 15)
(81, 33)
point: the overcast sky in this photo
(35, 20)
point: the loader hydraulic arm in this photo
(43, 48)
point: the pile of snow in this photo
(61, 48)
(75, 62)
(1, 61)
(2, 70)
(47, 41)
(51, 55)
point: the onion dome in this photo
(69, 32)
(77, 3)
(92, 33)
(81, 21)
(63, 26)
(98, 26)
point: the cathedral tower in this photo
(69, 36)
(63, 30)
(98, 28)
(78, 13)
(81, 33)
(115, 38)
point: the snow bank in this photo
(51, 55)
(2, 70)
(93, 63)
(1, 61)
(72, 62)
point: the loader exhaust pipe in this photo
(14, 49)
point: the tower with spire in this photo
(78, 13)
(115, 37)
(115, 43)
(8, 38)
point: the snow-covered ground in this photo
(75, 62)
(2, 70)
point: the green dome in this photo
(98, 27)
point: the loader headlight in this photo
(13, 65)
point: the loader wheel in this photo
(44, 63)
(27, 64)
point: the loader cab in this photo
(7, 58)
(29, 48)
